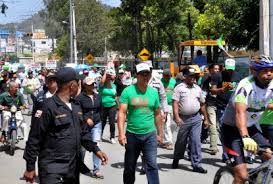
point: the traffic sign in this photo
(89, 58)
(144, 54)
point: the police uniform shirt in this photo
(189, 98)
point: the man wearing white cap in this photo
(140, 103)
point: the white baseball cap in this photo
(142, 67)
(230, 64)
(88, 80)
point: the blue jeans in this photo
(96, 137)
(147, 144)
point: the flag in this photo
(221, 46)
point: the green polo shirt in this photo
(7, 100)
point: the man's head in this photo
(51, 81)
(13, 87)
(30, 74)
(189, 75)
(94, 67)
(199, 53)
(67, 80)
(143, 74)
(214, 68)
(121, 72)
(167, 74)
(262, 67)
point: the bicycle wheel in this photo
(224, 175)
(263, 177)
(13, 137)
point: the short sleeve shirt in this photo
(108, 95)
(255, 98)
(141, 106)
(189, 98)
(169, 87)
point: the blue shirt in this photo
(200, 60)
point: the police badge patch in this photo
(38, 114)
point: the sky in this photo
(19, 10)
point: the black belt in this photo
(189, 116)
(255, 110)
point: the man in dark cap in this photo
(188, 102)
(62, 132)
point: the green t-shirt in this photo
(141, 119)
(108, 95)
(169, 87)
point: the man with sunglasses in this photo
(240, 127)
(144, 124)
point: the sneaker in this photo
(97, 175)
(113, 141)
(199, 170)
(175, 163)
(214, 151)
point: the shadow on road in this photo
(5, 148)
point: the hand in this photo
(164, 117)
(178, 121)
(90, 122)
(122, 140)
(23, 107)
(250, 144)
(206, 124)
(103, 157)
(160, 139)
(30, 176)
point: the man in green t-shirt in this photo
(143, 125)
(169, 84)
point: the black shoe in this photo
(175, 163)
(200, 170)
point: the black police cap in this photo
(188, 71)
(66, 74)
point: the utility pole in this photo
(74, 34)
(73, 40)
(71, 33)
(266, 28)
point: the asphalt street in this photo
(12, 167)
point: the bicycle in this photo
(261, 174)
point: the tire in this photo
(258, 178)
(224, 175)
(13, 139)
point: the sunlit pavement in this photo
(12, 167)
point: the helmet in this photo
(261, 62)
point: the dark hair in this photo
(211, 66)
(199, 53)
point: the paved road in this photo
(12, 167)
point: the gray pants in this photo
(190, 130)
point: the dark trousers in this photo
(190, 129)
(147, 144)
(109, 112)
(268, 132)
(57, 179)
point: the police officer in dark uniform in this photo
(58, 134)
